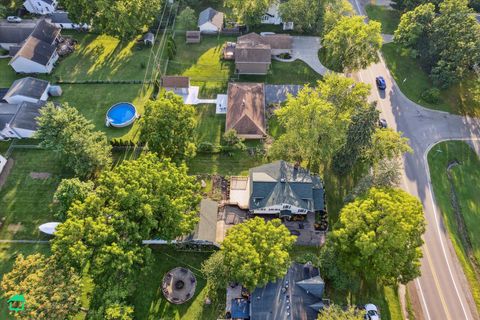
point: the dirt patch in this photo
(40, 175)
(14, 228)
(6, 171)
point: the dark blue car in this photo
(381, 84)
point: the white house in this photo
(210, 21)
(27, 90)
(19, 120)
(40, 6)
(38, 53)
(272, 16)
(283, 189)
(61, 20)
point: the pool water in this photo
(121, 114)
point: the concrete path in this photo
(306, 49)
(192, 97)
(442, 288)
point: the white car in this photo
(371, 312)
(14, 19)
(267, 33)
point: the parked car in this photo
(381, 84)
(14, 19)
(371, 312)
(267, 33)
(382, 123)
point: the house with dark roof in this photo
(61, 20)
(298, 295)
(40, 6)
(284, 189)
(19, 120)
(38, 53)
(210, 21)
(253, 52)
(14, 34)
(28, 89)
(246, 110)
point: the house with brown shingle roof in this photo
(253, 52)
(177, 84)
(246, 110)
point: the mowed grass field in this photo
(389, 18)
(466, 183)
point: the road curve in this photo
(442, 288)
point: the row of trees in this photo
(447, 42)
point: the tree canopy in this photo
(353, 44)
(52, 292)
(379, 236)
(257, 252)
(187, 19)
(68, 192)
(334, 312)
(387, 144)
(317, 120)
(447, 44)
(305, 14)
(65, 131)
(249, 12)
(168, 127)
(114, 17)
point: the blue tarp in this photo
(240, 309)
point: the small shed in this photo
(178, 84)
(55, 91)
(193, 37)
(149, 39)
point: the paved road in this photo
(442, 288)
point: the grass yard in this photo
(102, 57)
(149, 301)
(413, 81)
(389, 18)
(7, 75)
(296, 72)
(25, 200)
(94, 100)
(465, 179)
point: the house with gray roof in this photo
(210, 21)
(40, 6)
(19, 120)
(283, 189)
(14, 34)
(27, 89)
(38, 53)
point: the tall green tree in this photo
(379, 236)
(51, 291)
(249, 12)
(334, 312)
(68, 192)
(168, 127)
(353, 44)
(65, 131)
(304, 14)
(187, 19)
(359, 138)
(114, 17)
(317, 119)
(215, 272)
(332, 11)
(257, 252)
(139, 199)
(387, 144)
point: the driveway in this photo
(306, 49)
(278, 93)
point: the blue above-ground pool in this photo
(121, 115)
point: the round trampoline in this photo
(179, 285)
(121, 115)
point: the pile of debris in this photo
(66, 45)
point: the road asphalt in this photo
(442, 288)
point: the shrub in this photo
(431, 95)
(206, 147)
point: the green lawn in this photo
(7, 75)
(465, 178)
(389, 18)
(296, 72)
(24, 200)
(149, 301)
(413, 81)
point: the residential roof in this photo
(3, 92)
(206, 229)
(59, 17)
(275, 41)
(193, 34)
(246, 108)
(298, 301)
(36, 50)
(26, 117)
(14, 33)
(259, 53)
(280, 182)
(175, 82)
(211, 15)
(45, 31)
(27, 87)
(240, 309)
(7, 112)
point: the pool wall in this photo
(110, 122)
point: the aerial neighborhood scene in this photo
(240, 159)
